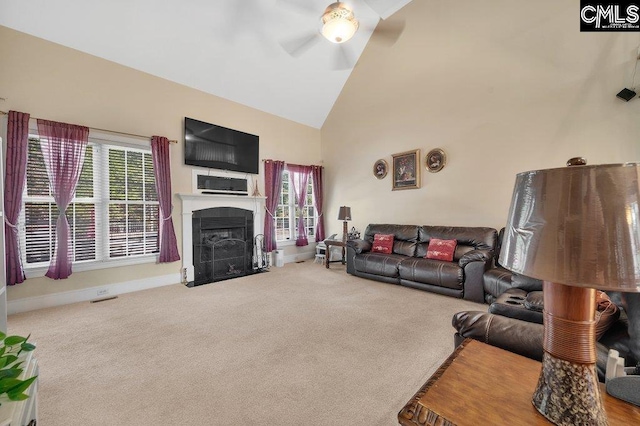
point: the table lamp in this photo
(577, 228)
(344, 214)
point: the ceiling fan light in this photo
(339, 23)
(339, 30)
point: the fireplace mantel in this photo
(207, 198)
(194, 202)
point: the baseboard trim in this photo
(299, 256)
(87, 294)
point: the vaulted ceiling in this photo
(235, 49)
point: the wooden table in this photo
(480, 384)
(327, 253)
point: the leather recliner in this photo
(518, 329)
(497, 280)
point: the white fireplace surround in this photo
(194, 202)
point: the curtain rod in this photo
(104, 130)
(268, 159)
(312, 165)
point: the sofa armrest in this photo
(355, 247)
(484, 256)
(521, 337)
(359, 245)
(525, 283)
(473, 285)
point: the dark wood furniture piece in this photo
(483, 384)
(339, 243)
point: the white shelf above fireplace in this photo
(208, 198)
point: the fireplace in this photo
(193, 205)
(222, 244)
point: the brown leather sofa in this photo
(513, 325)
(407, 265)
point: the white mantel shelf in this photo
(219, 197)
(194, 202)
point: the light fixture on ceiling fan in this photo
(338, 23)
(338, 26)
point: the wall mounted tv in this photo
(216, 147)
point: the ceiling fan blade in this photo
(300, 6)
(342, 59)
(388, 32)
(240, 20)
(299, 45)
(386, 8)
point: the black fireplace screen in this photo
(222, 244)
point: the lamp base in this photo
(568, 393)
(345, 231)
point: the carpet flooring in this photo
(297, 345)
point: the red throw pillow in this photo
(382, 243)
(441, 249)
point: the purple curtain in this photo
(162, 171)
(318, 198)
(63, 147)
(14, 181)
(299, 176)
(272, 187)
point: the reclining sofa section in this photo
(407, 265)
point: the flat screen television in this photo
(217, 147)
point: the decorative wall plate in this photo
(380, 169)
(435, 160)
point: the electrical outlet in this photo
(103, 292)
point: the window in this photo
(133, 203)
(113, 215)
(287, 213)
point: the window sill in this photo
(40, 271)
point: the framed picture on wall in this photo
(436, 159)
(380, 169)
(406, 170)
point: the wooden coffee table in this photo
(480, 384)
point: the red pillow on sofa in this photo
(382, 243)
(441, 249)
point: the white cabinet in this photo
(22, 413)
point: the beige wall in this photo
(502, 89)
(57, 83)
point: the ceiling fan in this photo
(339, 25)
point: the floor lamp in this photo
(576, 228)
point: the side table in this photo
(327, 257)
(483, 384)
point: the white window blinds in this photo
(114, 213)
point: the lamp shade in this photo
(344, 213)
(578, 226)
